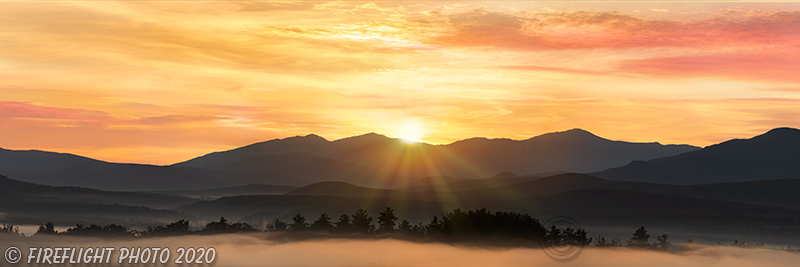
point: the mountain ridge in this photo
(770, 156)
(574, 150)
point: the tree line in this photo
(479, 224)
(457, 225)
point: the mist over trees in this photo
(479, 225)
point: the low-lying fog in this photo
(257, 250)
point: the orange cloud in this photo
(118, 80)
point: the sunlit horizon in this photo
(163, 82)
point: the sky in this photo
(160, 82)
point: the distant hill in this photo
(770, 156)
(15, 191)
(28, 203)
(450, 184)
(300, 168)
(388, 162)
(332, 188)
(250, 189)
(773, 192)
(589, 200)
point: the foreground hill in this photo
(388, 162)
(770, 156)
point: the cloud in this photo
(589, 30)
(778, 67)
(556, 69)
(18, 110)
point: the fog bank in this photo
(257, 250)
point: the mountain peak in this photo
(372, 136)
(576, 133)
(777, 136)
(579, 131)
(315, 137)
(782, 131)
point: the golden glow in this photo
(161, 82)
(411, 131)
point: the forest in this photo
(479, 227)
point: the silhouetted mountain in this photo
(250, 189)
(308, 144)
(18, 163)
(435, 180)
(24, 202)
(70, 170)
(590, 200)
(770, 156)
(394, 163)
(618, 207)
(301, 167)
(18, 191)
(332, 188)
(448, 185)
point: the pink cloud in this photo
(581, 29)
(11, 109)
(555, 69)
(768, 67)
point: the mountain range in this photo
(378, 161)
(769, 156)
(741, 186)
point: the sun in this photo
(411, 131)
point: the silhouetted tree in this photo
(481, 223)
(640, 238)
(222, 226)
(323, 223)
(111, 230)
(435, 227)
(553, 237)
(180, 227)
(46, 229)
(387, 221)
(298, 223)
(736, 243)
(217, 227)
(601, 241)
(405, 228)
(277, 225)
(362, 222)
(576, 237)
(9, 229)
(344, 225)
(241, 227)
(662, 243)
